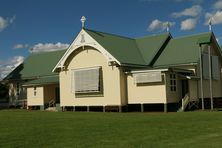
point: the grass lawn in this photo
(81, 129)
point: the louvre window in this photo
(148, 77)
(173, 85)
(86, 80)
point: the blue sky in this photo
(43, 25)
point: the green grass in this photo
(82, 129)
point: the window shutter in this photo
(87, 80)
(205, 66)
(147, 77)
(215, 67)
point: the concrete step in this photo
(53, 109)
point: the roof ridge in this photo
(160, 46)
(139, 50)
(121, 36)
(186, 36)
(149, 36)
(47, 52)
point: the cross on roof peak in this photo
(83, 19)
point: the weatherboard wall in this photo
(35, 99)
(42, 95)
(113, 92)
(146, 93)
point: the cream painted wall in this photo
(147, 93)
(43, 94)
(87, 58)
(35, 100)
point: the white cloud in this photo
(194, 11)
(7, 66)
(48, 47)
(216, 18)
(157, 24)
(188, 24)
(5, 22)
(20, 46)
(218, 40)
(218, 5)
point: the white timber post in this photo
(142, 107)
(88, 109)
(201, 77)
(210, 79)
(165, 107)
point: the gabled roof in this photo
(126, 50)
(15, 74)
(41, 64)
(149, 46)
(183, 50)
(36, 65)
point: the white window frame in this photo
(173, 82)
(73, 87)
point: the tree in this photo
(3, 92)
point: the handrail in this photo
(51, 103)
(185, 102)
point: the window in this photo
(17, 89)
(215, 67)
(149, 77)
(87, 80)
(35, 91)
(173, 84)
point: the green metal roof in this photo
(182, 50)
(41, 64)
(151, 52)
(149, 46)
(36, 66)
(43, 80)
(127, 50)
(15, 74)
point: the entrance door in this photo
(57, 95)
(185, 87)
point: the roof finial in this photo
(83, 19)
(210, 24)
(168, 27)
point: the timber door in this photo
(185, 87)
